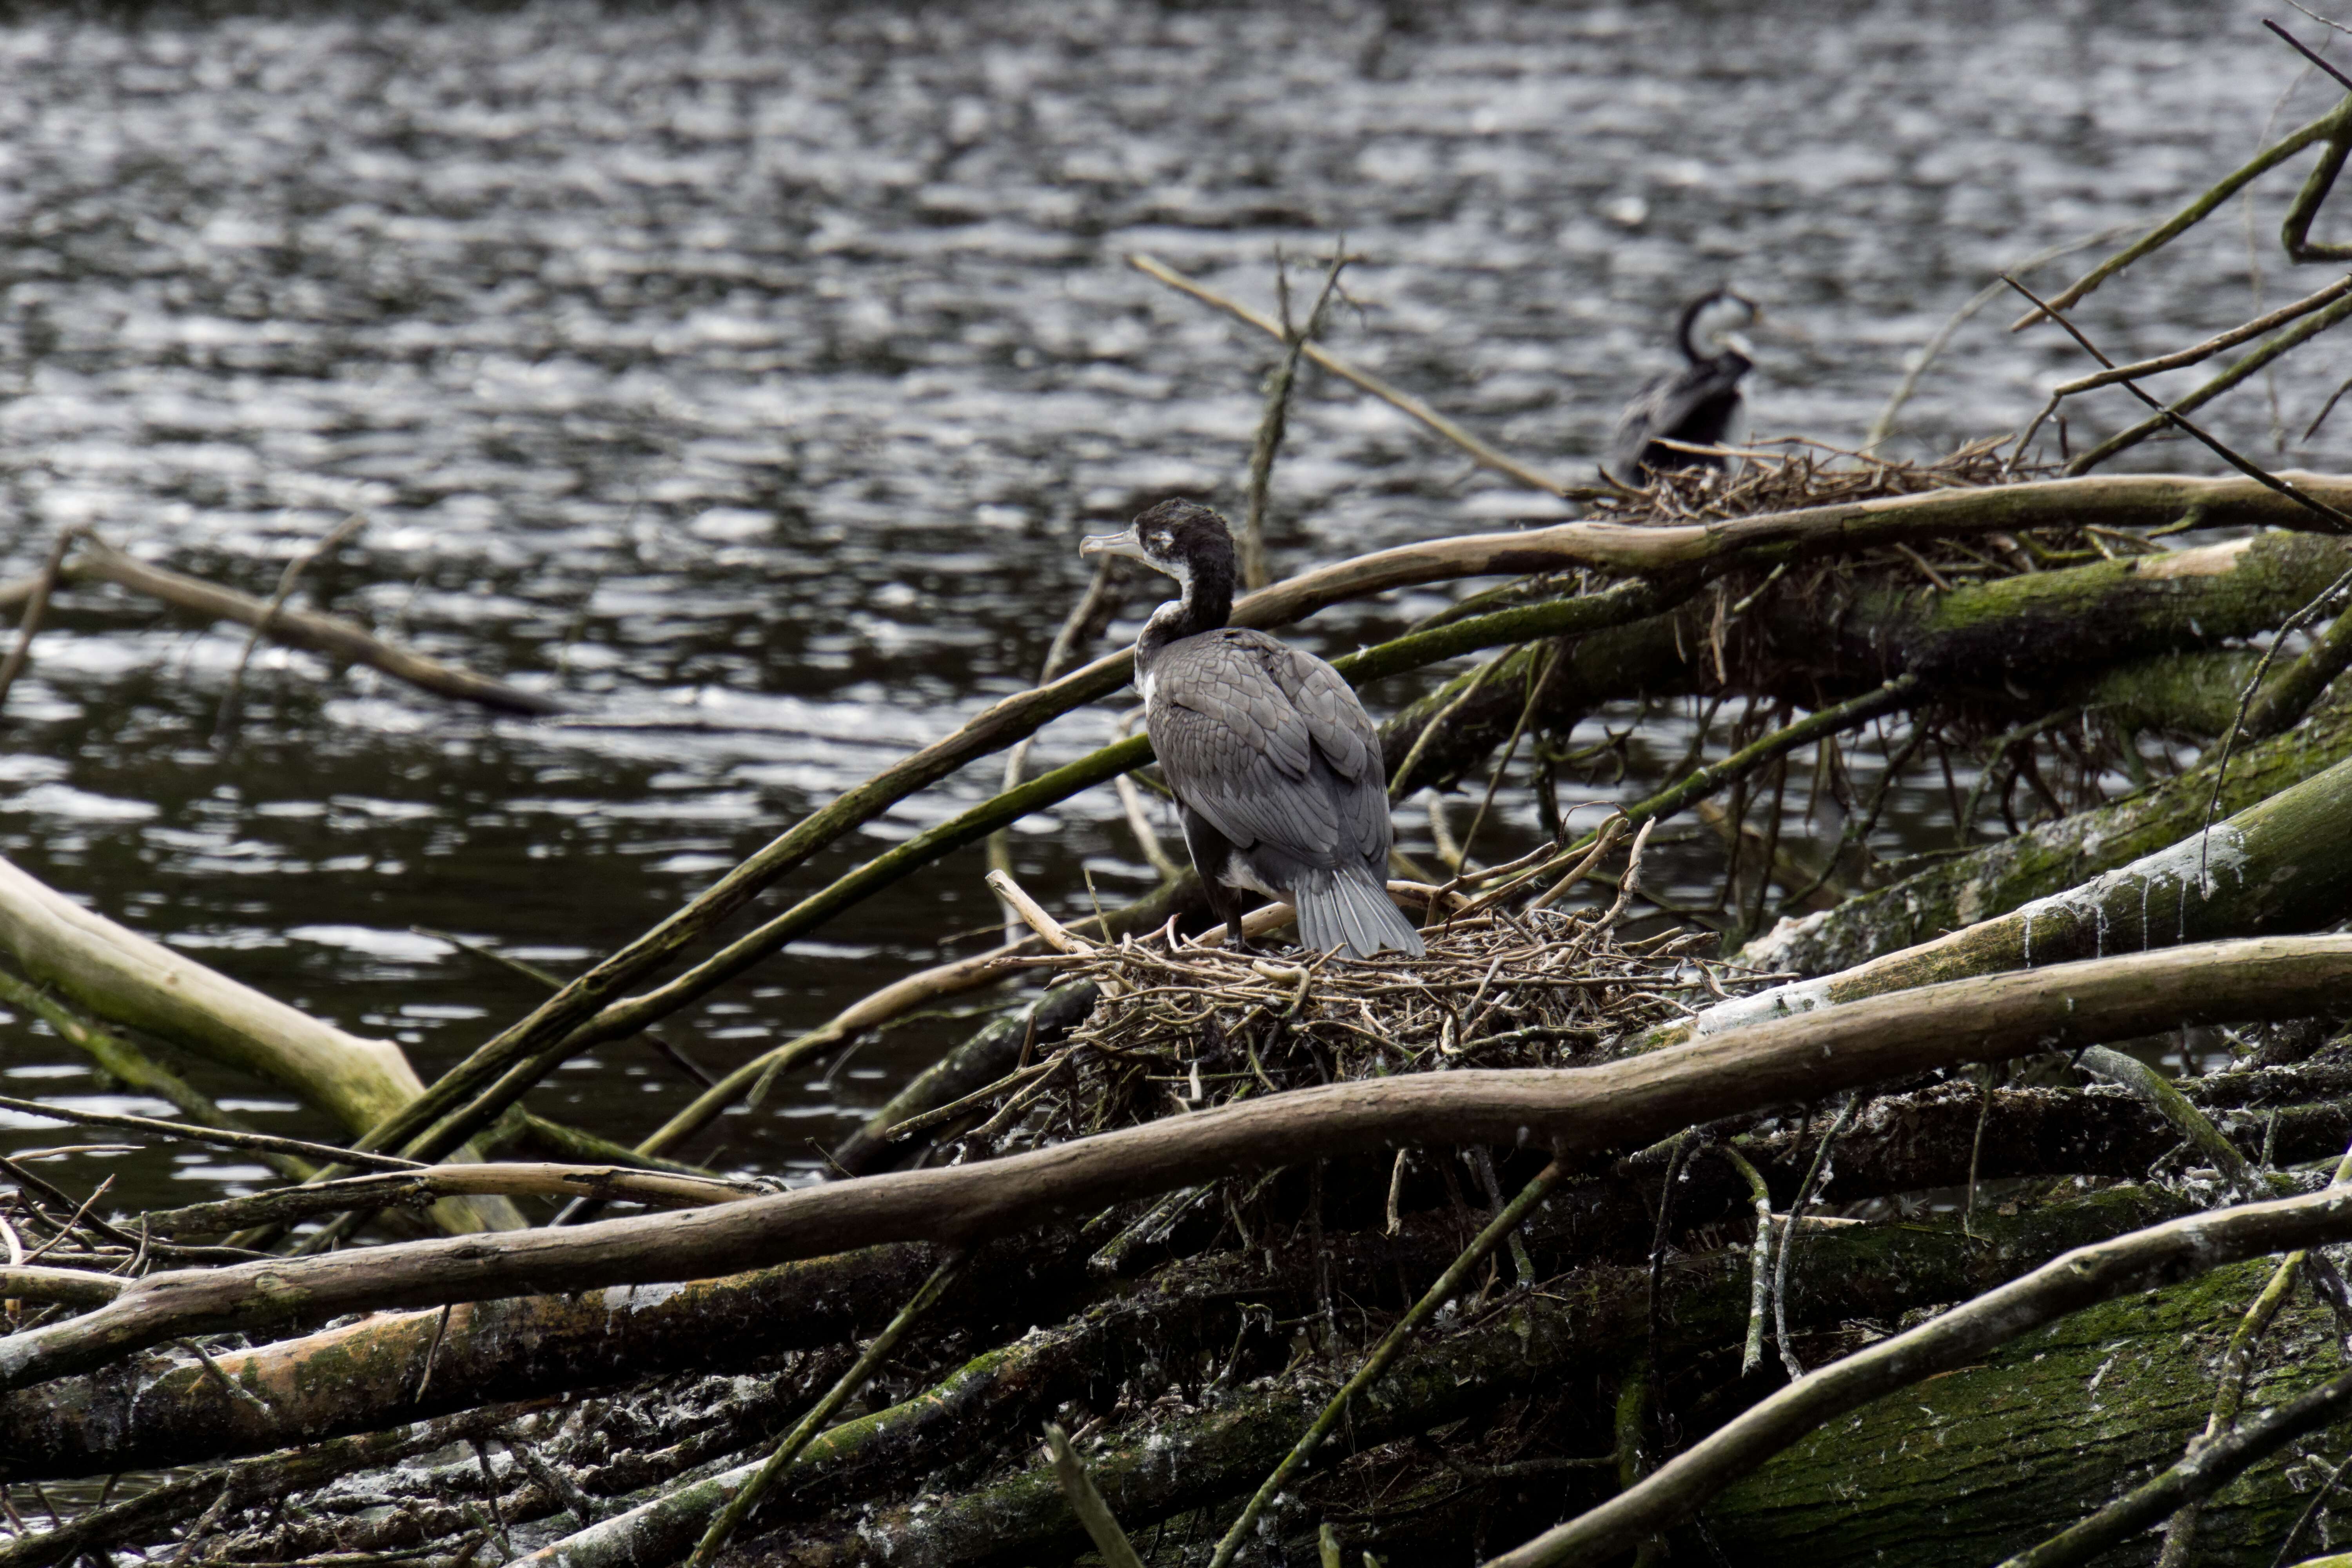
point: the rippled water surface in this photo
(746, 375)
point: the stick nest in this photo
(1183, 1028)
(1805, 474)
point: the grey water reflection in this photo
(746, 373)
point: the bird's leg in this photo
(1211, 851)
(1226, 904)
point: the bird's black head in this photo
(1191, 544)
(1181, 538)
(1712, 325)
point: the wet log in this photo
(1632, 1101)
(1586, 1327)
(161, 1409)
(272, 1475)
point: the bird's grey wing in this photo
(1237, 749)
(1634, 427)
(1349, 742)
(1682, 399)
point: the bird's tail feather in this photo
(1348, 910)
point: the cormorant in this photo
(1273, 760)
(1699, 404)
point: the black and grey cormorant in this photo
(1273, 761)
(1699, 404)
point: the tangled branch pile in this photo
(1603, 1229)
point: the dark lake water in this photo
(756, 367)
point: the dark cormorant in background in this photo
(1271, 756)
(1699, 404)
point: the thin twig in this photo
(1759, 1260)
(1788, 1242)
(225, 720)
(1437, 1295)
(218, 1136)
(2261, 476)
(747, 1497)
(1086, 1501)
(1480, 452)
(35, 608)
(1271, 426)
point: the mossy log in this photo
(1966, 1468)
(2019, 645)
(161, 1409)
(2049, 859)
(129, 979)
(2282, 864)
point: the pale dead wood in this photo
(130, 979)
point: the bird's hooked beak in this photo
(1736, 340)
(1123, 542)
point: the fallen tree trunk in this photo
(147, 1412)
(1629, 1101)
(2281, 864)
(2186, 1247)
(1583, 1329)
(2045, 635)
(1968, 1467)
(158, 1410)
(2048, 859)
